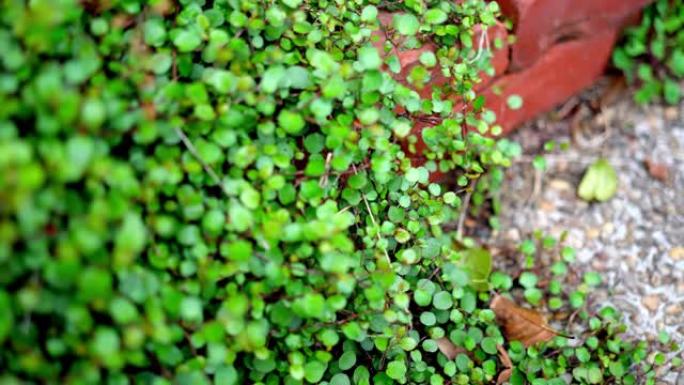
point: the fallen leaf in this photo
(477, 263)
(520, 324)
(599, 182)
(448, 348)
(657, 170)
(503, 356)
(505, 374)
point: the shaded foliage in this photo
(652, 53)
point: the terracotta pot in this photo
(562, 47)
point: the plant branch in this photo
(464, 211)
(191, 148)
(375, 224)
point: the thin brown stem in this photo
(464, 211)
(191, 148)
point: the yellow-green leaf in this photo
(600, 182)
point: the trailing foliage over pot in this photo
(221, 192)
(652, 54)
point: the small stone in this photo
(593, 232)
(654, 122)
(661, 372)
(656, 280)
(584, 256)
(607, 229)
(657, 170)
(672, 319)
(575, 237)
(634, 195)
(560, 185)
(677, 253)
(632, 260)
(671, 113)
(547, 206)
(513, 235)
(651, 302)
(674, 309)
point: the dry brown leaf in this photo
(448, 348)
(505, 374)
(520, 324)
(503, 356)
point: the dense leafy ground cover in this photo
(221, 192)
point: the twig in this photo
(212, 174)
(484, 39)
(567, 107)
(561, 158)
(370, 213)
(324, 179)
(572, 317)
(388, 37)
(384, 356)
(581, 141)
(434, 273)
(464, 211)
(174, 66)
(537, 186)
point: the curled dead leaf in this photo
(520, 324)
(503, 356)
(448, 348)
(506, 373)
(504, 376)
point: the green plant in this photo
(591, 348)
(222, 192)
(652, 53)
(600, 182)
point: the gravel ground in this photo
(636, 240)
